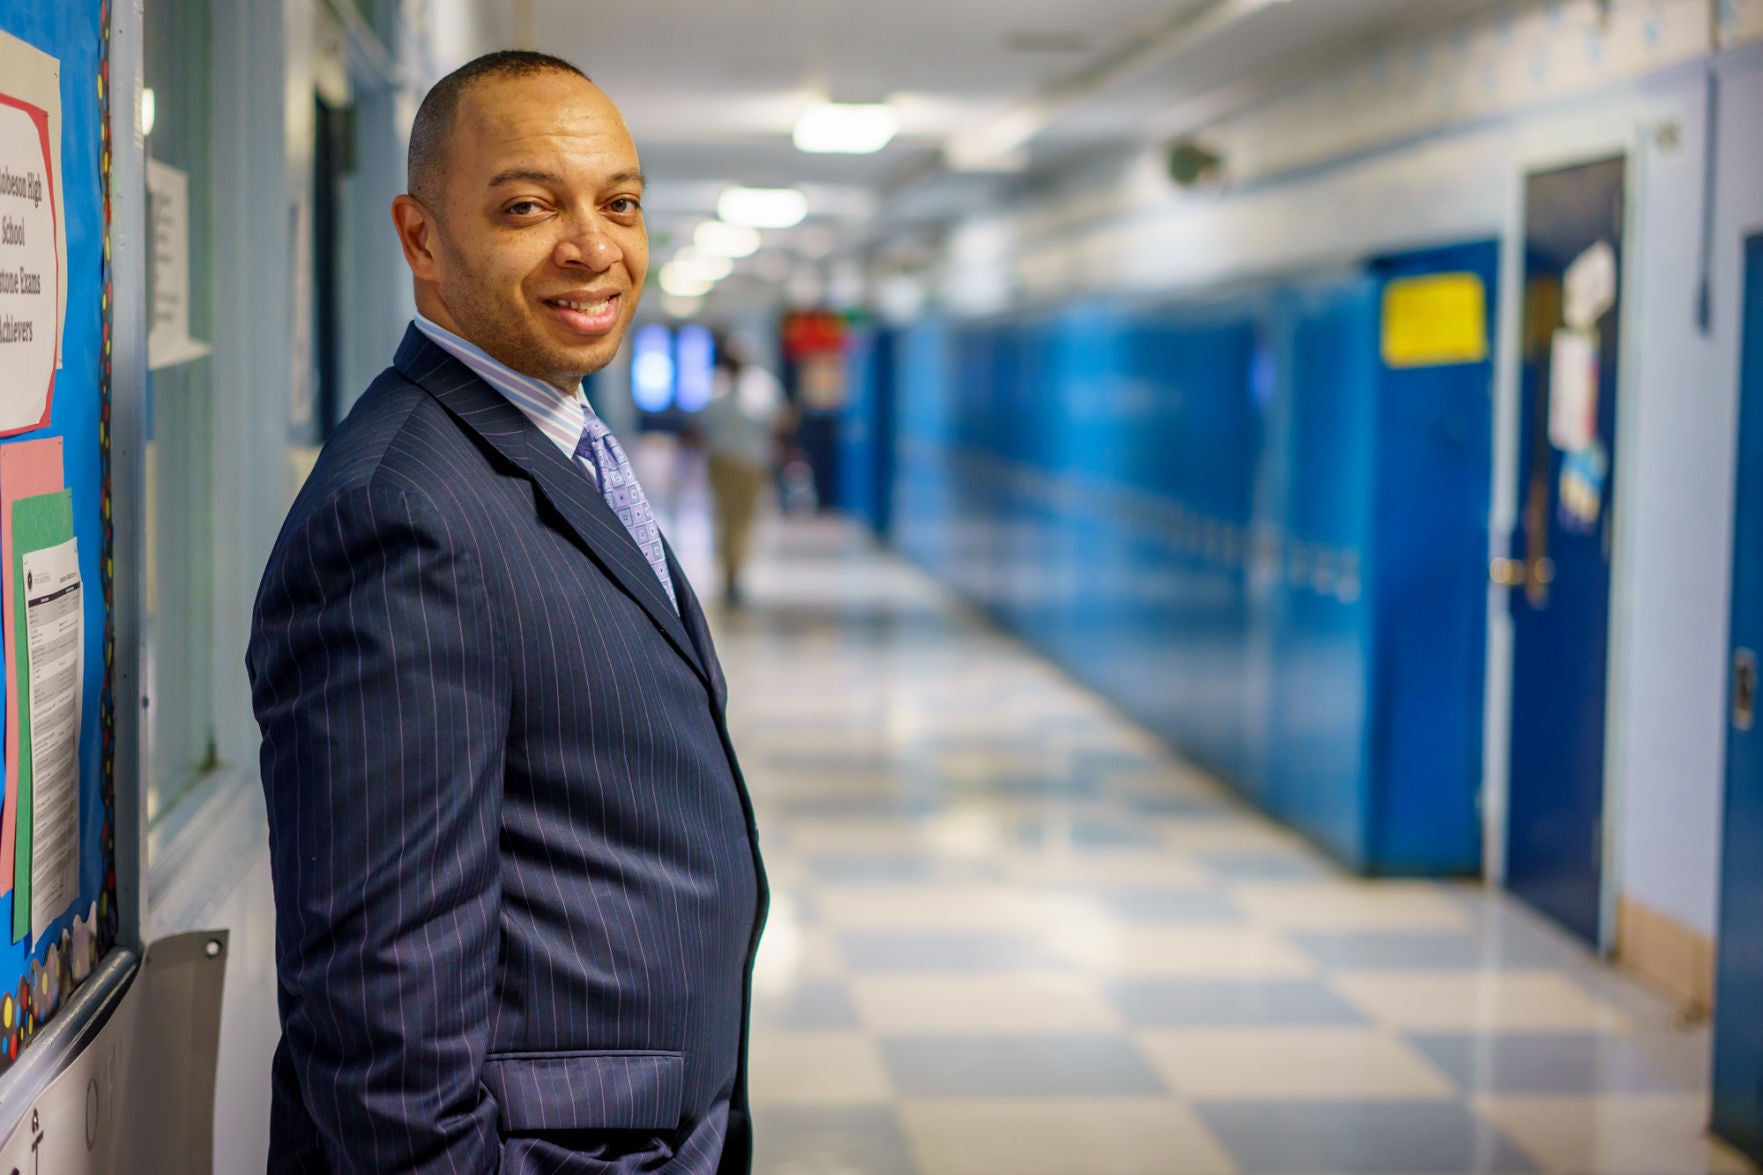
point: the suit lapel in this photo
(483, 410)
(692, 612)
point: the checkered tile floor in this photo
(1012, 934)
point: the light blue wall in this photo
(1670, 730)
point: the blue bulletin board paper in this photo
(37, 972)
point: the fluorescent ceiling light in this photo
(679, 307)
(149, 111)
(762, 207)
(681, 284)
(691, 263)
(836, 128)
(716, 238)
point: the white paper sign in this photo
(1589, 287)
(30, 307)
(1573, 390)
(31, 76)
(55, 658)
(168, 333)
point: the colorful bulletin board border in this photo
(36, 975)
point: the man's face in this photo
(538, 251)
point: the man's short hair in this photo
(440, 109)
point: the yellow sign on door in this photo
(1435, 320)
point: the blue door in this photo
(1738, 1025)
(1559, 565)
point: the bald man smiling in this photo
(517, 881)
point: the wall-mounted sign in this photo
(168, 274)
(31, 246)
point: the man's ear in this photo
(418, 233)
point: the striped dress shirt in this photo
(562, 415)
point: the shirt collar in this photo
(492, 369)
(562, 416)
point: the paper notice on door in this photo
(1590, 287)
(1573, 390)
(55, 660)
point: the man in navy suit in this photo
(517, 882)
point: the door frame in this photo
(1633, 144)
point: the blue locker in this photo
(1434, 456)
(1738, 1001)
(1229, 517)
(866, 430)
(1319, 613)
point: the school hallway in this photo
(1011, 932)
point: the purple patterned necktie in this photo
(618, 485)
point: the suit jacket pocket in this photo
(600, 1090)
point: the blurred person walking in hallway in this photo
(740, 429)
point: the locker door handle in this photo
(1744, 689)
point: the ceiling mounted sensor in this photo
(718, 238)
(840, 128)
(762, 207)
(1191, 164)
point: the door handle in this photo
(1744, 689)
(1518, 573)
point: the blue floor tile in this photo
(1171, 905)
(1176, 807)
(1214, 1003)
(932, 950)
(813, 1003)
(791, 1140)
(1267, 866)
(1416, 951)
(1017, 1066)
(1406, 1138)
(1065, 787)
(1570, 1064)
(890, 867)
(1088, 833)
(858, 807)
(1103, 763)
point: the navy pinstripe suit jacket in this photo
(516, 876)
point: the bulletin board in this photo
(57, 838)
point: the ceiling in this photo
(712, 90)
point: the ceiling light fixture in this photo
(691, 263)
(717, 238)
(839, 128)
(762, 207)
(681, 284)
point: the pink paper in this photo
(27, 468)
